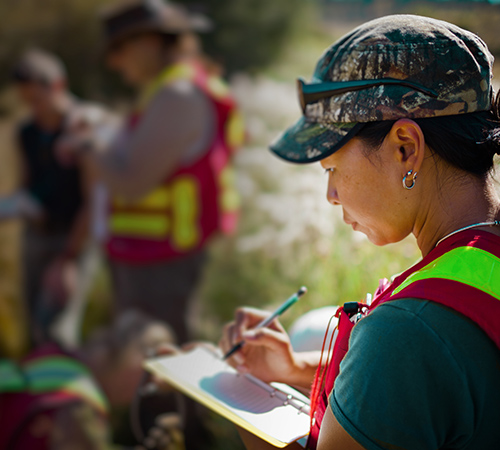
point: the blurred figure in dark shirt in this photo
(53, 240)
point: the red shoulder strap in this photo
(464, 274)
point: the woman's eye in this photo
(327, 171)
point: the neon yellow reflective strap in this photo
(139, 224)
(185, 212)
(469, 265)
(235, 129)
(181, 197)
(173, 73)
(217, 87)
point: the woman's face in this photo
(135, 58)
(39, 98)
(370, 191)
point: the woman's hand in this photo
(267, 352)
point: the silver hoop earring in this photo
(412, 185)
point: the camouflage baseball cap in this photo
(400, 66)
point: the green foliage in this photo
(67, 27)
(249, 34)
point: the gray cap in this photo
(38, 66)
(127, 18)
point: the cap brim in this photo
(307, 141)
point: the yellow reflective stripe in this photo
(158, 199)
(182, 197)
(235, 130)
(229, 198)
(140, 225)
(469, 265)
(185, 212)
(217, 87)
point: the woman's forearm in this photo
(306, 366)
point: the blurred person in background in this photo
(55, 192)
(169, 174)
(59, 401)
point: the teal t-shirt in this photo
(419, 376)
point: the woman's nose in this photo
(331, 192)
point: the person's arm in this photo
(80, 229)
(402, 383)
(332, 435)
(173, 122)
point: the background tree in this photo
(248, 35)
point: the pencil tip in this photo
(302, 291)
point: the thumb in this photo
(266, 337)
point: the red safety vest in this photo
(42, 383)
(462, 273)
(180, 215)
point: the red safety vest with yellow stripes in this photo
(462, 273)
(180, 215)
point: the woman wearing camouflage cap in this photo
(401, 112)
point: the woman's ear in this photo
(408, 143)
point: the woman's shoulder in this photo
(428, 371)
(426, 328)
(418, 313)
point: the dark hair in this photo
(467, 141)
(170, 39)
